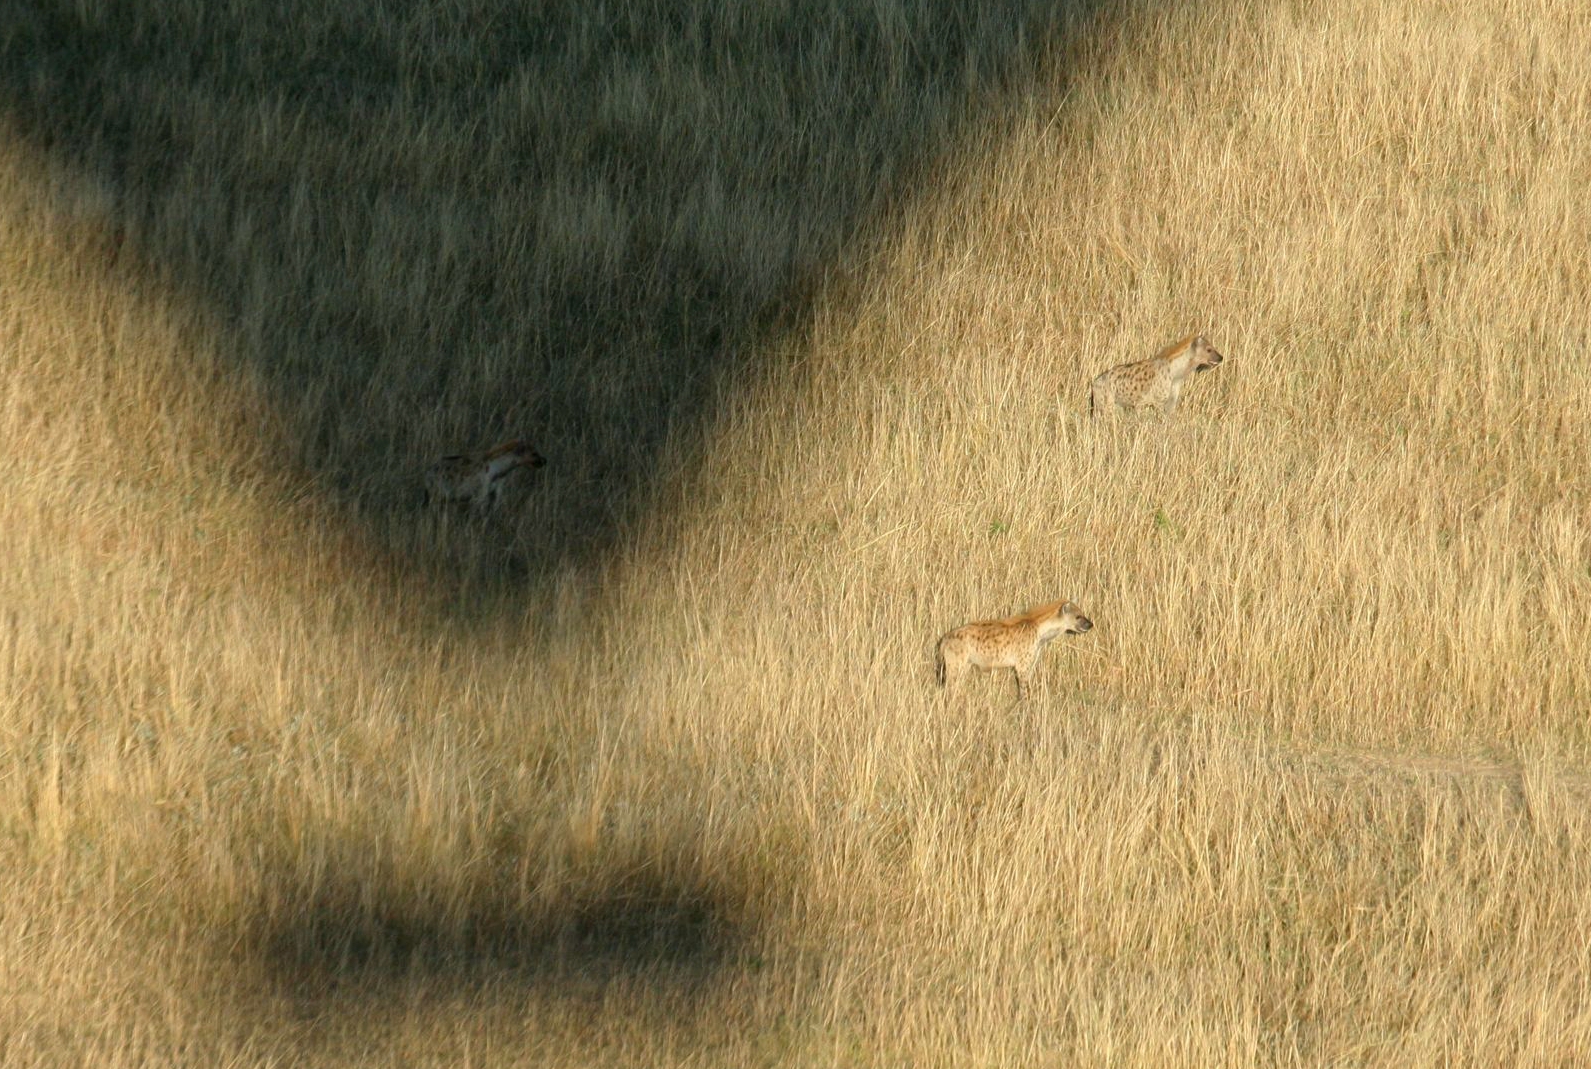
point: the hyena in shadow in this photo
(477, 479)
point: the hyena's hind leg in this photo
(1103, 401)
(950, 669)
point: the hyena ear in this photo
(1200, 341)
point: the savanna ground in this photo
(801, 301)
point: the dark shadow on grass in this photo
(430, 226)
(350, 935)
(357, 960)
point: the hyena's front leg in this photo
(1024, 676)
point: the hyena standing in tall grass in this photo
(1015, 642)
(1156, 381)
(477, 478)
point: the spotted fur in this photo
(1015, 642)
(1155, 382)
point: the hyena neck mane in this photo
(1042, 612)
(1044, 620)
(1179, 355)
(1180, 358)
(503, 459)
(1178, 349)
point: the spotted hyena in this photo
(477, 478)
(1015, 642)
(1153, 382)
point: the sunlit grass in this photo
(294, 772)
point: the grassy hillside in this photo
(801, 302)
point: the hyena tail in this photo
(1096, 403)
(939, 663)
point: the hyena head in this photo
(1073, 622)
(1064, 619)
(1204, 355)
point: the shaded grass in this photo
(425, 228)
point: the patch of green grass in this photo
(1166, 525)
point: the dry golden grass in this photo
(292, 773)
